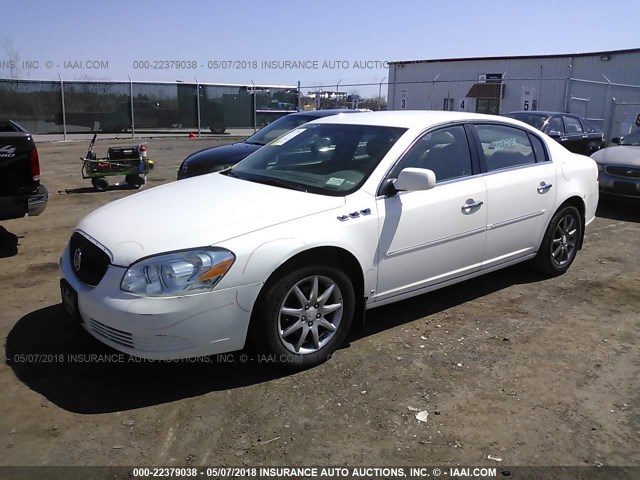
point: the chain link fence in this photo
(62, 107)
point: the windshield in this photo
(330, 159)
(632, 139)
(536, 121)
(277, 128)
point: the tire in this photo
(289, 337)
(134, 181)
(217, 128)
(560, 243)
(100, 183)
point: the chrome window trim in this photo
(422, 133)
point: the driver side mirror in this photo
(414, 179)
(617, 140)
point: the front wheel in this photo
(560, 243)
(306, 315)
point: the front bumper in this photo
(162, 328)
(615, 185)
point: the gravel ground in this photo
(530, 370)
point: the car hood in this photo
(195, 212)
(203, 161)
(620, 155)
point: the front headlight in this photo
(180, 273)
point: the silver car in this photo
(619, 166)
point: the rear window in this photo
(504, 146)
(9, 127)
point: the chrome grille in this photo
(619, 171)
(88, 261)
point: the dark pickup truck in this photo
(20, 190)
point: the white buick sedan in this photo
(340, 215)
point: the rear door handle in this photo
(472, 204)
(544, 187)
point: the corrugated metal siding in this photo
(428, 84)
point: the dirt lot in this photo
(531, 370)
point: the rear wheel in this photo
(100, 183)
(217, 128)
(306, 315)
(560, 244)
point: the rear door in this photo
(595, 137)
(521, 190)
(577, 139)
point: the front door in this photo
(429, 237)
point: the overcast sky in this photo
(117, 38)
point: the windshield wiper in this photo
(276, 182)
(256, 143)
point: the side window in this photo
(586, 126)
(572, 125)
(504, 146)
(555, 123)
(445, 151)
(538, 149)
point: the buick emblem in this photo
(77, 259)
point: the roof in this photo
(541, 113)
(485, 90)
(411, 118)
(323, 113)
(518, 57)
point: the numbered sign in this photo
(404, 94)
(317, 100)
(355, 103)
(529, 99)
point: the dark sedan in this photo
(571, 131)
(217, 158)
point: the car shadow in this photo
(112, 188)
(625, 209)
(52, 354)
(8, 243)
(393, 315)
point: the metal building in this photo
(603, 87)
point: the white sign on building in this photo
(404, 94)
(529, 99)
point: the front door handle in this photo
(472, 204)
(544, 187)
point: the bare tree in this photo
(11, 60)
